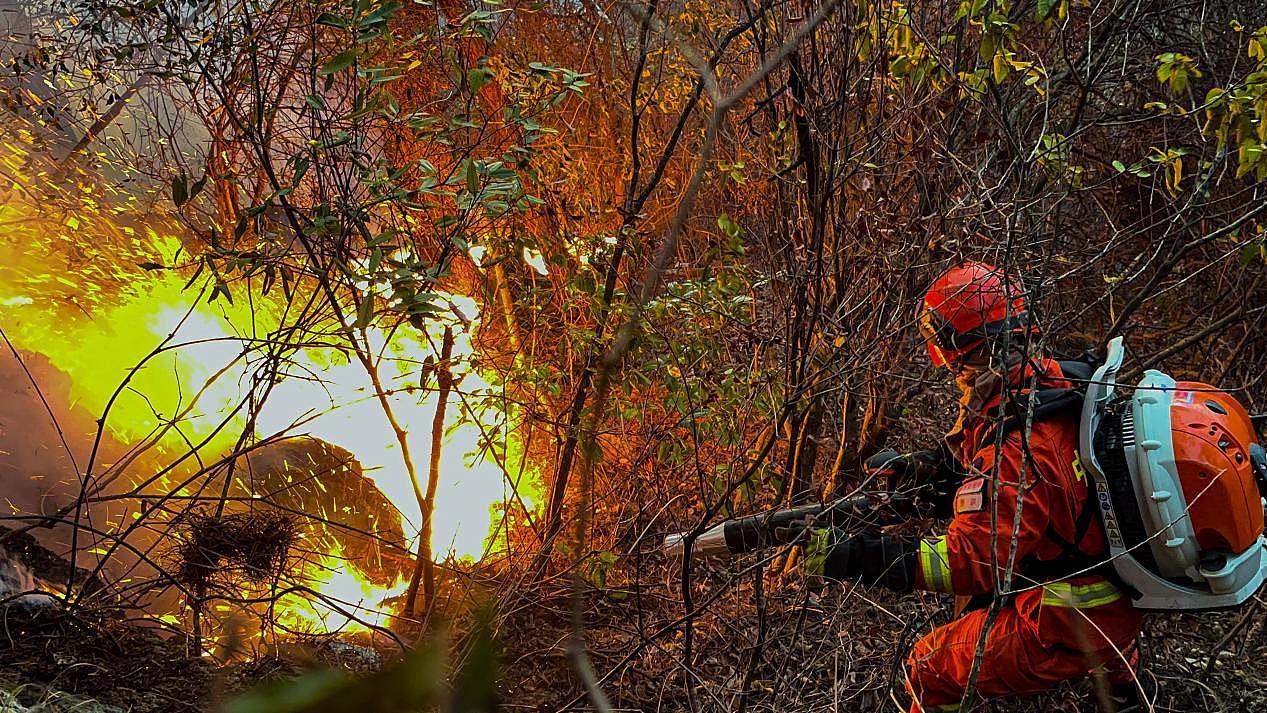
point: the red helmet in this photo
(968, 304)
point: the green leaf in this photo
(364, 313)
(1121, 167)
(382, 14)
(332, 20)
(301, 167)
(728, 226)
(478, 78)
(1045, 7)
(180, 190)
(472, 176)
(220, 289)
(989, 44)
(1250, 252)
(339, 62)
(475, 688)
(1179, 80)
(390, 107)
(199, 184)
(303, 693)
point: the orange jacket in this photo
(1030, 488)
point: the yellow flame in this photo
(346, 602)
(71, 289)
(343, 409)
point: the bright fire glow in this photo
(329, 395)
(71, 289)
(349, 602)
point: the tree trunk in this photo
(424, 568)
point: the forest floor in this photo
(836, 650)
(799, 651)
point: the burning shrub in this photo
(346, 510)
(253, 545)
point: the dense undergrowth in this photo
(679, 249)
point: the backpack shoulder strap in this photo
(1077, 370)
(1047, 404)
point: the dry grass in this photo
(839, 650)
(254, 545)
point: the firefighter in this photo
(1023, 528)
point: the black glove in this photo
(869, 558)
(932, 475)
(914, 468)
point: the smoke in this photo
(38, 473)
(17, 584)
(45, 443)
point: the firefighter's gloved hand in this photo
(919, 467)
(885, 467)
(874, 559)
(932, 475)
(828, 553)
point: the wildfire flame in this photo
(333, 399)
(348, 602)
(71, 289)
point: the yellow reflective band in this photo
(1078, 471)
(1079, 596)
(934, 565)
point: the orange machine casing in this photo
(1211, 433)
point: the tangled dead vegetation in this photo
(102, 656)
(766, 643)
(254, 546)
(757, 642)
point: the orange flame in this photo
(70, 289)
(346, 601)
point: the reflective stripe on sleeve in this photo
(934, 565)
(1080, 596)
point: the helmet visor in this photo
(936, 355)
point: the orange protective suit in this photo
(1053, 628)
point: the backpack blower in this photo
(1180, 482)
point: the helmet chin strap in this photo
(979, 373)
(972, 363)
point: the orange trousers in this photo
(1022, 656)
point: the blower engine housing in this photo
(1177, 473)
